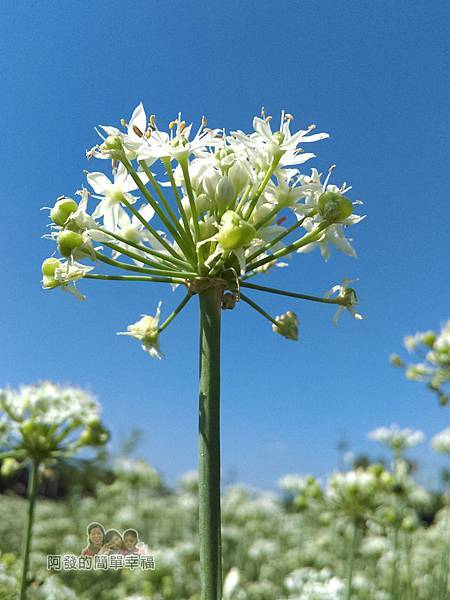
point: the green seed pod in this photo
(68, 241)
(49, 266)
(235, 232)
(334, 207)
(62, 210)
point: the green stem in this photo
(258, 308)
(263, 288)
(268, 217)
(175, 312)
(133, 278)
(310, 237)
(150, 229)
(163, 257)
(187, 180)
(159, 269)
(32, 485)
(187, 237)
(168, 167)
(278, 238)
(262, 186)
(127, 267)
(153, 203)
(351, 560)
(159, 193)
(209, 445)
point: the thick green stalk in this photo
(32, 485)
(209, 445)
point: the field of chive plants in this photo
(369, 533)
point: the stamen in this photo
(123, 123)
(137, 131)
(204, 123)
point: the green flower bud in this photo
(387, 479)
(62, 210)
(28, 428)
(9, 467)
(49, 266)
(377, 469)
(207, 230)
(94, 436)
(49, 282)
(278, 136)
(113, 142)
(234, 231)
(202, 203)
(68, 241)
(334, 207)
(409, 524)
(396, 361)
(238, 177)
(287, 325)
(301, 502)
(389, 515)
(428, 338)
(225, 193)
(8, 558)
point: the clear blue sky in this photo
(374, 75)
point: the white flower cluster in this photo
(180, 206)
(46, 421)
(398, 440)
(315, 585)
(434, 365)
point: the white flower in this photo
(280, 145)
(397, 439)
(350, 298)
(111, 194)
(441, 441)
(146, 330)
(159, 144)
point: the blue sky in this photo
(372, 74)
